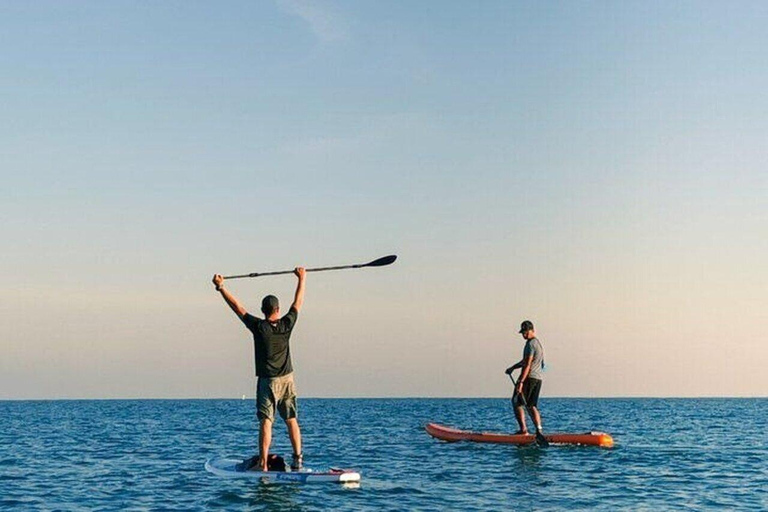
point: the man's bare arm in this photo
(298, 299)
(230, 299)
(527, 362)
(514, 367)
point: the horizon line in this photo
(250, 398)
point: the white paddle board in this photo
(227, 467)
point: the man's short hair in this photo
(269, 305)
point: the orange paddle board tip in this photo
(606, 441)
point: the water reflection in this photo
(275, 496)
(529, 455)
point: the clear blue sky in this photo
(597, 167)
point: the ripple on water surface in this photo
(149, 454)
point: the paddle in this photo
(540, 439)
(381, 262)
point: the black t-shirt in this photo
(272, 352)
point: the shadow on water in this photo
(260, 496)
(528, 456)
(275, 497)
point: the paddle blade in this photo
(381, 262)
(541, 440)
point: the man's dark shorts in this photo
(531, 389)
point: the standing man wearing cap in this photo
(529, 384)
(275, 389)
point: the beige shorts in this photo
(276, 393)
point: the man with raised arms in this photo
(529, 384)
(275, 388)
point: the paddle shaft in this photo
(281, 272)
(386, 260)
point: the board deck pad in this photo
(452, 434)
(227, 467)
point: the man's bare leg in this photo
(265, 439)
(535, 416)
(295, 434)
(520, 417)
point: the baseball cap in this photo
(527, 325)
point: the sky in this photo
(596, 167)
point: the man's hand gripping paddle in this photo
(540, 439)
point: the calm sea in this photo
(148, 455)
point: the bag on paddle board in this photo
(275, 463)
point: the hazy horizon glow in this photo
(597, 168)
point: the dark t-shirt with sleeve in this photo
(272, 351)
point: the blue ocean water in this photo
(149, 454)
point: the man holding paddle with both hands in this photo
(528, 385)
(275, 389)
